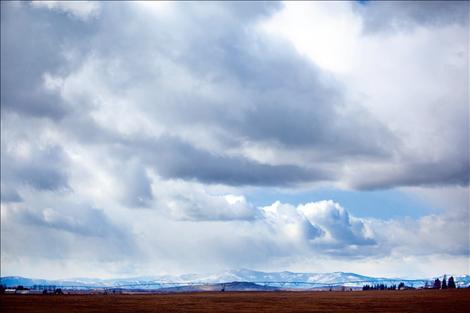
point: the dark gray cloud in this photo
(83, 221)
(8, 194)
(174, 158)
(232, 83)
(267, 92)
(43, 169)
(404, 15)
(33, 43)
(447, 172)
(286, 100)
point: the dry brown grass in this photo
(359, 301)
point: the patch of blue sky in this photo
(382, 204)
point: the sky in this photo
(145, 138)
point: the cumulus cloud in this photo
(182, 200)
(338, 223)
(284, 218)
(281, 235)
(324, 227)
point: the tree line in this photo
(444, 284)
(437, 284)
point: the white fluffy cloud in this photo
(281, 235)
(191, 201)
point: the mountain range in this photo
(233, 280)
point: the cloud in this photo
(42, 168)
(323, 227)
(202, 207)
(337, 222)
(420, 94)
(263, 94)
(63, 229)
(227, 230)
(279, 233)
(82, 10)
(28, 57)
(177, 159)
(9, 195)
(137, 191)
(167, 121)
(191, 201)
(85, 221)
(256, 114)
(404, 15)
(284, 218)
(445, 172)
(428, 235)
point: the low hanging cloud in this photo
(281, 233)
(64, 229)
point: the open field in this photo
(360, 301)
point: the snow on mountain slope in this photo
(272, 279)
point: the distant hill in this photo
(232, 286)
(233, 280)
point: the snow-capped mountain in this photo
(269, 279)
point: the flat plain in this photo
(404, 301)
